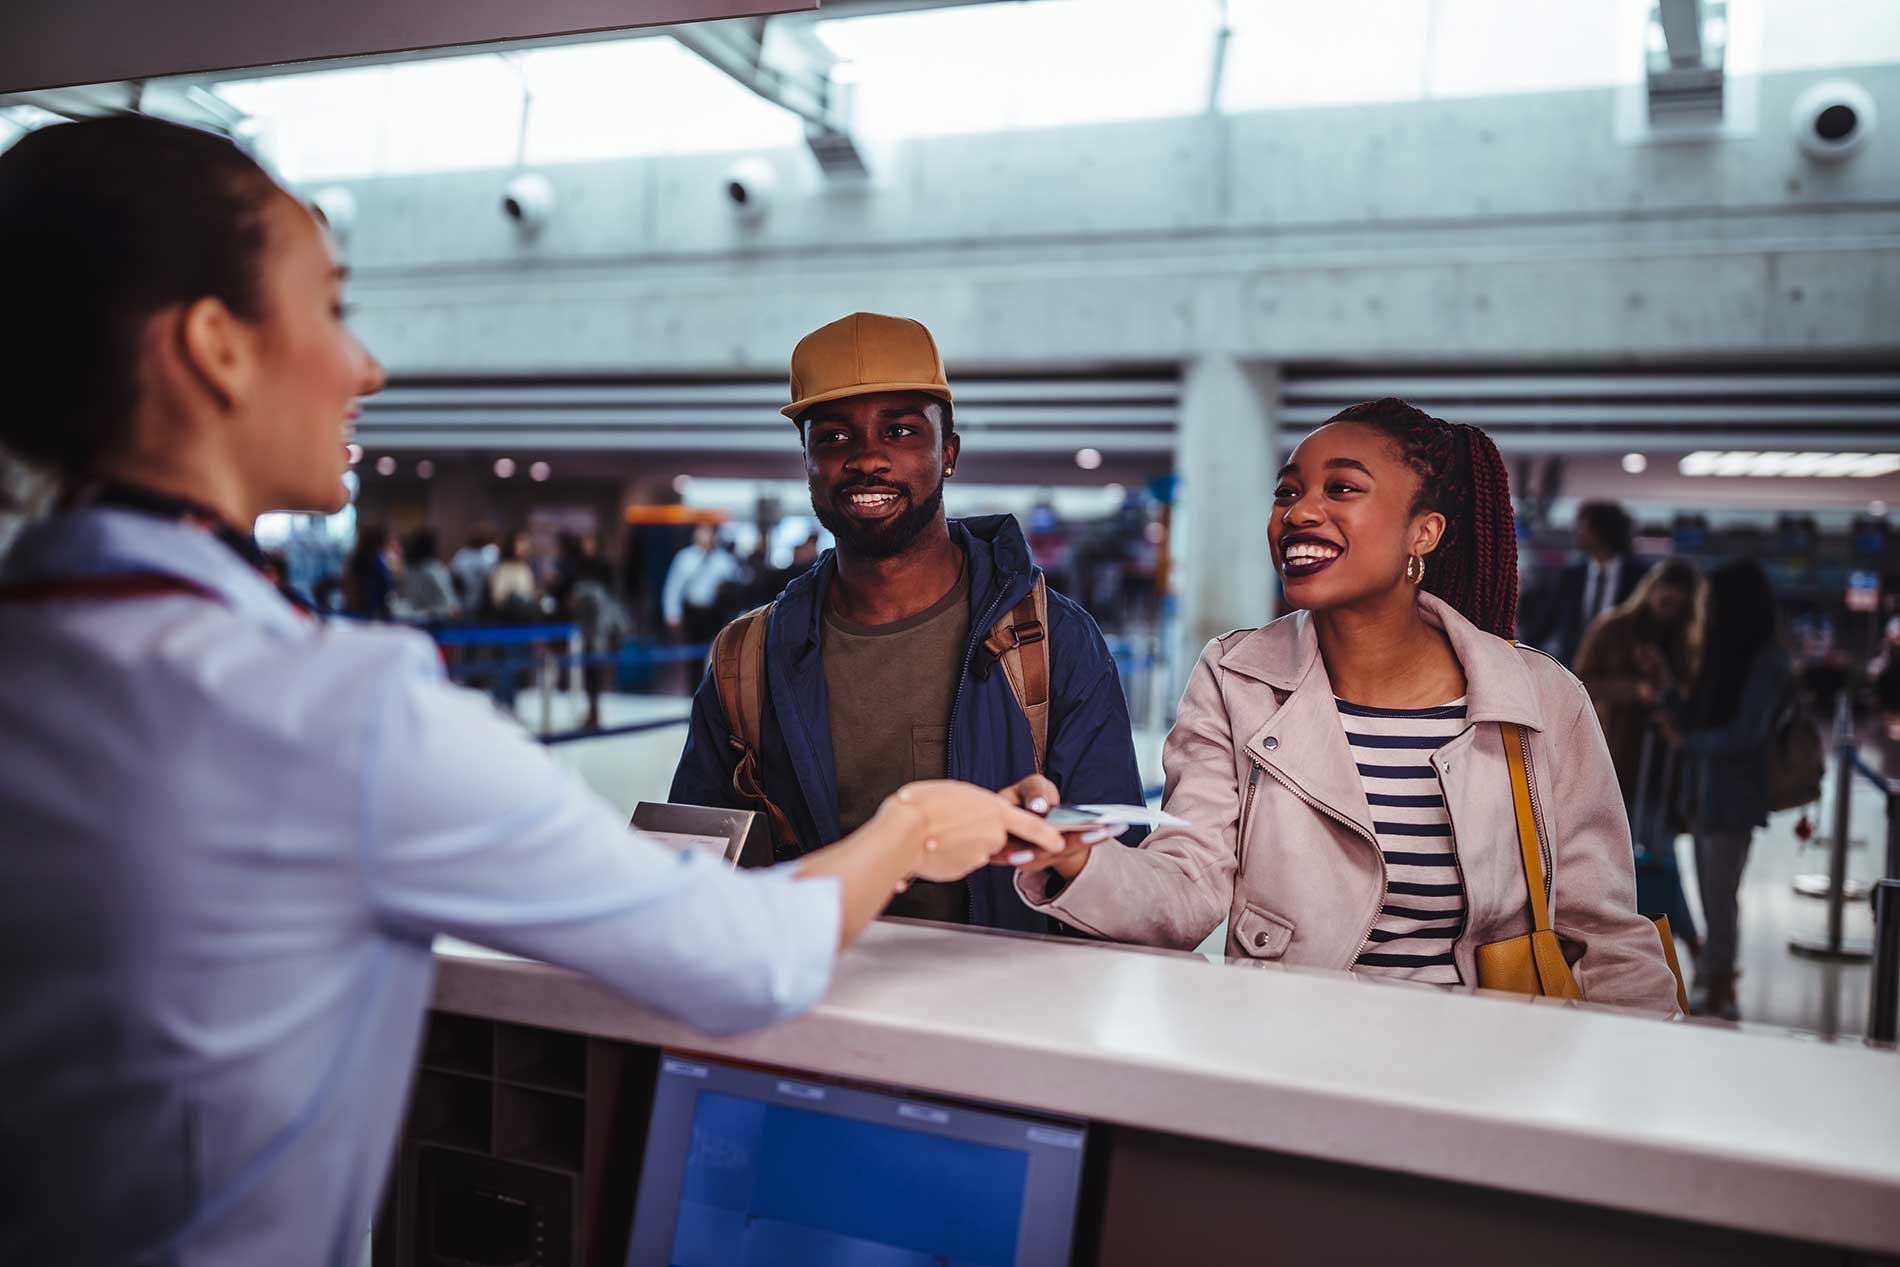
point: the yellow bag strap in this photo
(1527, 841)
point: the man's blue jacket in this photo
(1091, 755)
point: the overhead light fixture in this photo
(1089, 459)
(681, 483)
(385, 465)
(1635, 463)
(539, 472)
(355, 452)
(504, 468)
(425, 469)
(1780, 464)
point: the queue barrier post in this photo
(1846, 749)
(1883, 1002)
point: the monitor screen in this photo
(748, 1166)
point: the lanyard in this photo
(121, 496)
(114, 585)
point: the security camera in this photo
(528, 200)
(336, 207)
(1833, 119)
(749, 186)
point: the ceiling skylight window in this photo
(1053, 63)
(589, 101)
(1285, 56)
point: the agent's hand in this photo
(962, 827)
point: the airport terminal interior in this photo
(1650, 248)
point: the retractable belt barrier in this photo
(1883, 1002)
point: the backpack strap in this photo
(1020, 643)
(738, 659)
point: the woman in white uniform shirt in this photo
(228, 832)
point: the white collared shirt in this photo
(695, 577)
(1599, 588)
(228, 834)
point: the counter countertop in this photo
(1769, 1134)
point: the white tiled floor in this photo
(1778, 988)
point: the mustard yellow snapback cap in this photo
(863, 353)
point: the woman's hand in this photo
(961, 827)
(1038, 795)
(1035, 794)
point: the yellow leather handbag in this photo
(1534, 963)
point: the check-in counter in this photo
(1230, 1113)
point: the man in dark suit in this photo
(1559, 612)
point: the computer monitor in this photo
(748, 1166)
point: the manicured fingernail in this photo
(1021, 856)
(1097, 836)
(1039, 806)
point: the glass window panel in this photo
(989, 68)
(590, 101)
(1284, 56)
(1482, 48)
(1819, 34)
(645, 96)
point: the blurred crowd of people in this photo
(1708, 719)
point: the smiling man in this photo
(886, 661)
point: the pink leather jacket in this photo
(1282, 844)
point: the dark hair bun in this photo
(103, 223)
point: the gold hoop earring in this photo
(1415, 569)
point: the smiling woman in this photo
(1345, 769)
(1455, 537)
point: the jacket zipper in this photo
(1246, 808)
(1457, 863)
(979, 629)
(1537, 812)
(1330, 812)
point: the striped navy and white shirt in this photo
(1424, 907)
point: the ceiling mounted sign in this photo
(60, 43)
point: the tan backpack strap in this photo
(1020, 643)
(738, 656)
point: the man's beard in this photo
(885, 539)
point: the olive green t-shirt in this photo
(891, 689)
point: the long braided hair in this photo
(1461, 476)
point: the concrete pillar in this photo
(1226, 455)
